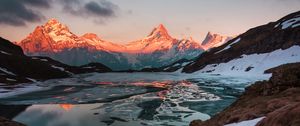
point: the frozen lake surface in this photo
(121, 99)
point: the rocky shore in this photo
(278, 100)
(6, 122)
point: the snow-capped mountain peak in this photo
(160, 32)
(55, 40)
(214, 40)
(59, 32)
(54, 25)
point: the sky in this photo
(122, 21)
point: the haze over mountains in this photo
(55, 40)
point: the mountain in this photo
(157, 40)
(213, 40)
(271, 103)
(15, 67)
(100, 44)
(160, 49)
(55, 40)
(254, 51)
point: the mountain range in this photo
(16, 67)
(158, 49)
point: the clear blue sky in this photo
(134, 19)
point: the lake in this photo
(121, 99)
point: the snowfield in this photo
(255, 64)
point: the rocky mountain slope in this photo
(15, 67)
(254, 51)
(271, 103)
(158, 49)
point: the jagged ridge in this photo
(158, 49)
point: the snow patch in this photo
(294, 22)
(252, 122)
(229, 46)
(9, 79)
(56, 67)
(8, 72)
(296, 25)
(5, 53)
(276, 25)
(33, 80)
(44, 60)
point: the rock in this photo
(6, 122)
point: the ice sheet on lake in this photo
(126, 112)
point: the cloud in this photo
(38, 3)
(99, 10)
(104, 9)
(70, 6)
(19, 12)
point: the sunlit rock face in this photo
(55, 40)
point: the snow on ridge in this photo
(45, 60)
(229, 46)
(56, 67)
(33, 80)
(61, 69)
(6, 71)
(294, 22)
(254, 64)
(252, 122)
(296, 25)
(5, 52)
(9, 79)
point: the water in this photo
(121, 99)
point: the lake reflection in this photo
(127, 103)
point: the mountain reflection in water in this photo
(154, 101)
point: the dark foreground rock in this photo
(6, 122)
(8, 112)
(277, 99)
